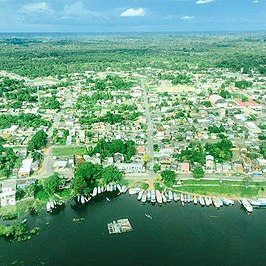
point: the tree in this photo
(146, 158)
(156, 168)
(111, 174)
(198, 172)
(38, 141)
(53, 183)
(168, 176)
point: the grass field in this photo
(65, 151)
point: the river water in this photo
(190, 235)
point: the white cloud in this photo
(36, 7)
(255, 2)
(76, 8)
(186, 17)
(131, 12)
(199, 2)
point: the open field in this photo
(66, 151)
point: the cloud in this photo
(131, 12)
(186, 17)
(255, 2)
(200, 2)
(36, 8)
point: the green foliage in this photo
(243, 84)
(7, 160)
(53, 184)
(168, 176)
(16, 231)
(198, 172)
(50, 103)
(111, 174)
(38, 141)
(156, 168)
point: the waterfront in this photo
(175, 236)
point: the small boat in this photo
(140, 194)
(159, 197)
(210, 200)
(148, 216)
(153, 197)
(102, 188)
(182, 197)
(195, 199)
(94, 192)
(107, 199)
(259, 202)
(216, 202)
(124, 189)
(246, 205)
(164, 198)
(175, 197)
(82, 200)
(148, 195)
(144, 197)
(185, 198)
(188, 198)
(133, 191)
(178, 197)
(225, 202)
(88, 199)
(52, 204)
(220, 201)
(201, 201)
(48, 206)
(119, 187)
(99, 190)
(183, 204)
(207, 201)
(170, 195)
(114, 187)
(107, 188)
(24, 221)
(110, 188)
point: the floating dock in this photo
(119, 226)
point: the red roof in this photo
(250, 102)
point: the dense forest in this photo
(35, 56)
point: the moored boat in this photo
(153, 197)
(140, 194)
(247, 205)
(148, 195)
(48, 206)
(133, 191)
(259, 202)
(175, 197)
(182, 197)
(170, 195)
(188, 198)
(148, 216)
(220, 201)
(207, 201)
(201, 201)
(159, 197)
(164, 198)
(99, 190)
(195, 199)
(144, 197)
(216, 202)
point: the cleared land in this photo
(66, 151)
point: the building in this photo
(8, 194)
(131, 168)
(25, 169)
(209, 164)
(184, 168)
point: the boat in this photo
(82, 200)
(99, 190)
(111, 188)
(220, 201)
(195, 199)
(164, 198)
(188, 198)
(107, 199)
(201, 201)
(182, 197)
(178, 197)
(119, 187)
(210, 200)
(88, 199)
(148, 216)
(140, 194)
(102, 188)
(246, 205)
(226, 202)
(94, 192)
(107, 187)
(153, 197)
(48, 206)
(159, 197)
(183, 204)
(124, 189)
(78, 198)
(259, 202)
(231, 201)
(216, 202)
(207, 201)
(170, 195)
(24, 221)
(148, 195)
(175, 197)
(144, 197)
(52, 204)
(133, 191)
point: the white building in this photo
(25, 169)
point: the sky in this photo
(132, 15)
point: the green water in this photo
(190, 235)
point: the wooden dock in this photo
(119, 226)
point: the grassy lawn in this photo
(66, 151)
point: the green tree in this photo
(38, 141)
(156, 168)
(168, 176)
(53, 183)
(198, 172)
(111, 174)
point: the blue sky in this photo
(131, 15)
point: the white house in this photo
(8, 194)
(25, 169)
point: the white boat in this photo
(153, 197)
(185, 198)
(148, 216)
(144, 197)
(82, 199)
(164, 198)
(140, 194)
(102, 188)
(220, 201)
(94, 192)
(246, 205)
(124, 189)
(207, 201)
(182, 197)
(51, 204)
(175, 197)
(259, 202)
(133, 191)
(114, 187)
(107, 188)
(226, 202)
(188, 198)
(210, 200)
(201, 201)
(78, 198)
(170, 195)
(216, 202)
(99, 190)
(178, 197)
(148, 195)
(159, 197)
(107, 199)
(88, 199)
(195, 199)
(48, 207)
(119, 188)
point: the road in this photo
(149, 132)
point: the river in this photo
(190, 235)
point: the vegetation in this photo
(168, 176)
(198, 172)
(38, 141)
(7, 161)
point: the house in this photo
(25, 169)
(209, 164)
(8, 194)
(131, 168)
(184, 168)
